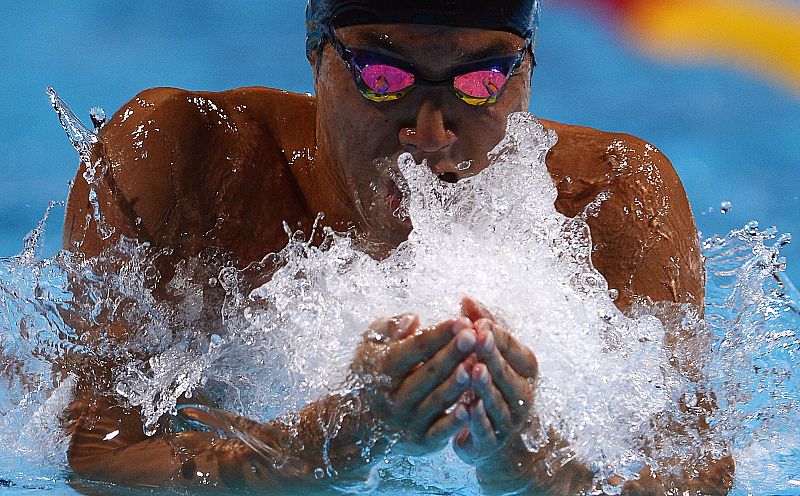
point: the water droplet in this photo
(319, 473)
(725, 207)
(98, 116)
(83, 139)
(465, 165)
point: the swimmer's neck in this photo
(325, 191)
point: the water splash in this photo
(603, 374)
(82, 138)
(257, 350)
(84, 141)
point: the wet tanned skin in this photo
(229, 176)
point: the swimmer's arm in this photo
(108, 445)
(167, 172)
(518, 470)
(662, 251)
(514, 467)
(156, 173)
(345, 433)
(134, 179)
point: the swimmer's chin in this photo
(398, 232)
(390, 233)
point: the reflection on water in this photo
(611, 384)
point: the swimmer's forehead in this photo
(411, 41)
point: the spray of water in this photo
(619, 388)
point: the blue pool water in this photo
(732, 136)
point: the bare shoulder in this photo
(179, 168)
(644, 234)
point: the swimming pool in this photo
(97, 57)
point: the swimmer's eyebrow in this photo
(493, 50)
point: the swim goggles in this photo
(381, 78)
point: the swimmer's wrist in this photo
(517, 469)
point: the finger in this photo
(447, 426)
(480, 426)
(444, 395)
(462, 444)
(514, 389)
(474, 310)
(397, 327)
(493, 401)
(422, 381)
(420, 347)
(493, 337)
(463, 438)
(408, 324)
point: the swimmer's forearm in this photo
(710, 477)
(186, 459)
(195, 460)
(518, 470)
(272, 457)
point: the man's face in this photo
(362, 139)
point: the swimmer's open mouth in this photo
(448, 177)
(394, 195)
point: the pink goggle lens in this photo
(384, 79)
(481, 84)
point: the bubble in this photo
(98, 117)
(725, 207)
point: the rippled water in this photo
(606, 378)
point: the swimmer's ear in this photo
(315, 59)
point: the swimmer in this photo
(223, 170)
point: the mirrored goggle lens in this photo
(480, 87)
(385, 82)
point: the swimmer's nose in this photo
(429, 133)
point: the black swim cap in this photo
(520, 17)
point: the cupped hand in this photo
(413, 378)
(502, 381)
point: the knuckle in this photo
(431, 369)
(500, 338)
(379, 324)
(495, 361)
(507, 370)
